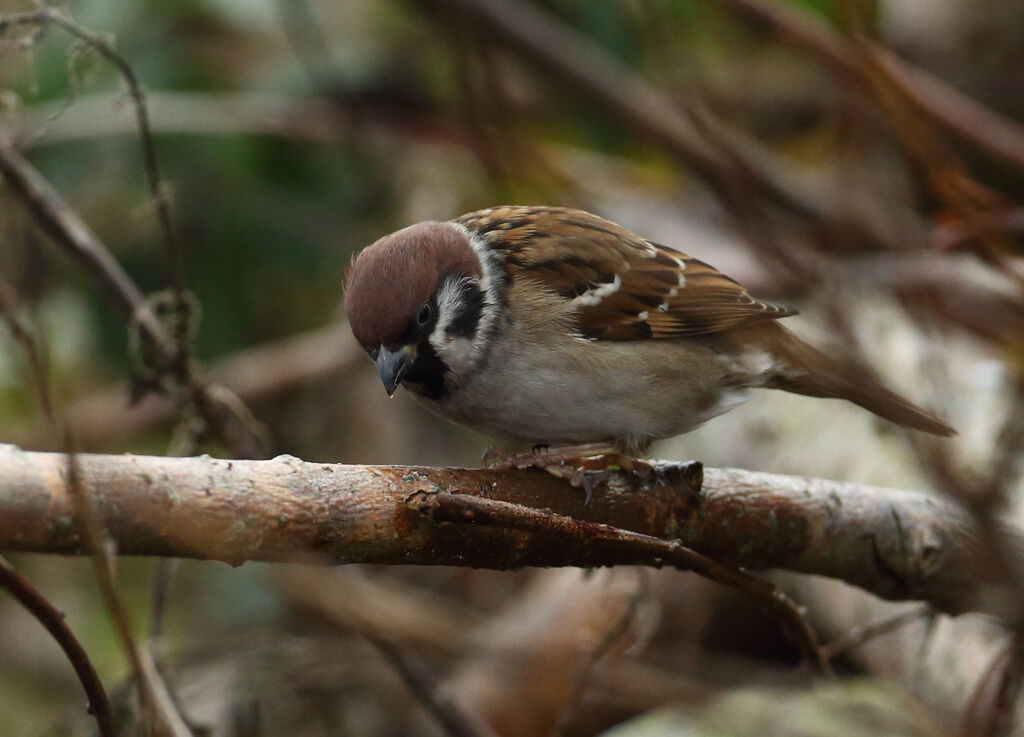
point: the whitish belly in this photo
(608, 392)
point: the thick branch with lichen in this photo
(896, 544)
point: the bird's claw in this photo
(589, 471)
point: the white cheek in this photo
(458, 354)
(447, 305)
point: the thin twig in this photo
(452, 717)
(157, 190)
(159, 704)
(22, 335)
(154, 692)
(990, 711)
(53, 621)
(51, 213)
(862, 633)
(617, 629)
(644, 549)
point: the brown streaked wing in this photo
(578, 256)
(705, 301)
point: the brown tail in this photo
(810, 372)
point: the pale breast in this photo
(628, 392)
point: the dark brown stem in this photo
(862, 633)
(425, 687)
(59, 221)
(632, 547)
(53, 621)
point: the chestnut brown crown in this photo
(391, 278)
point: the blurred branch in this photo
(349, 600)
(193, 113)
(956, 112)
(46, 15)
(53, 621)
(960, 235)
(898, 545)
(541, 641)
(991, 710)
(107, 418)
(159, 706)
(161, 712)
(864, 632)
(307, 41)
(453, 718)
(587, 69)
(943, 661)
(222, 411)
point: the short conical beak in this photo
(393, 364)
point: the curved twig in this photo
(53, 621)
(633, 546)
(70, 232)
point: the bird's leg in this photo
(543, 456)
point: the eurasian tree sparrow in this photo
(556, 327)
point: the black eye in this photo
(373, 353)
(423, 315)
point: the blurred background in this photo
(859, 160)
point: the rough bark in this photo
(896, 544)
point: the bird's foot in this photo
(588, 466)
(583, 466)
(543, 456)
(590, 472)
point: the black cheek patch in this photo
(427, 373)
(467, 315)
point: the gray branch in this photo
(896, 544)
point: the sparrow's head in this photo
(414, 301)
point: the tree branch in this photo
(896, 544)
(106, 418)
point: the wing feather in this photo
(622, 286)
